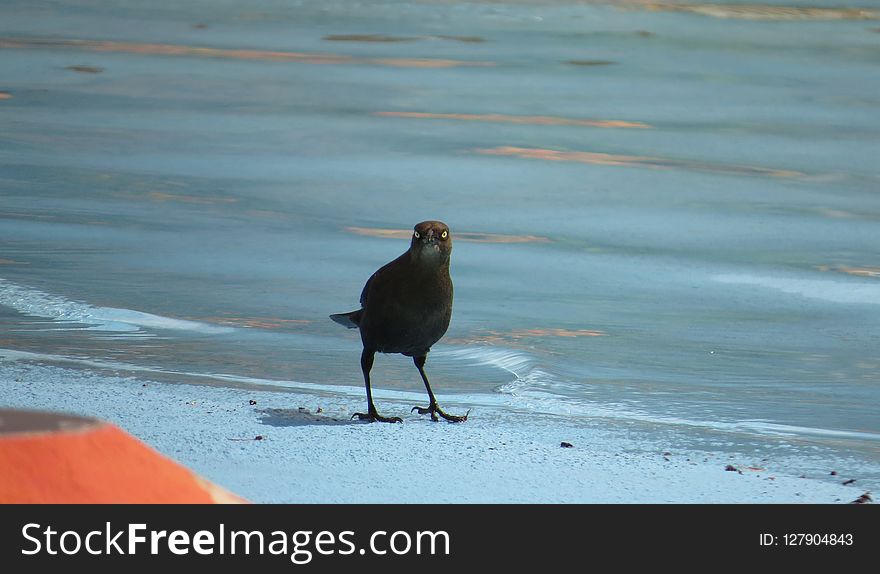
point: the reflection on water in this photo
(858, 271)
(536, 120)
(665, 214)
(632, 160)
(235, 54)
(757, 12)
(386, 38)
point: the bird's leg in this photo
(433, 408)
(371, 415)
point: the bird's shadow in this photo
(300, 417)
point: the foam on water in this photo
(526, 393)
(517, 364)
(37, 303)
(532, 389)
(825, 289)
(527, 375)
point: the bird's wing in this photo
(379, 279)
(375, 278)
(366, 290)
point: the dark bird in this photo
(405, 308)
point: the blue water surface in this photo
(666, 220)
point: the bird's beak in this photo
(430, 238)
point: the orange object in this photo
(56, 458)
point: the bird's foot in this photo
(375, 417)
(434, 410)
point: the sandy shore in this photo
(282, 449)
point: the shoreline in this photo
(309, 452)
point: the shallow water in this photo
(664, 218)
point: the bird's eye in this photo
(417, 234)
(444, 235)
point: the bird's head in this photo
(431, 241)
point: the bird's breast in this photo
(412, 314)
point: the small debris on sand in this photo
(564, 444)
(252, 402)
(833, 473)
(848, 482)
(731, 468)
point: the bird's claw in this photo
(376, 417)
(435, 410)
(423, 411)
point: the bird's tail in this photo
(351, 319)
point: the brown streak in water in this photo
(764, 12)
(86, 69)
(253, 322)
(467, 39)
(425, 63)
(595, 158)
(532, 120)
(12, 262)
(367, 38)
(516, 337)
(395, 39)
(237, 54)
(872, 272)
(173, 50)
(384, 233)
(194, 199)
(590, 62)
(523, 333)
(460, 236)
